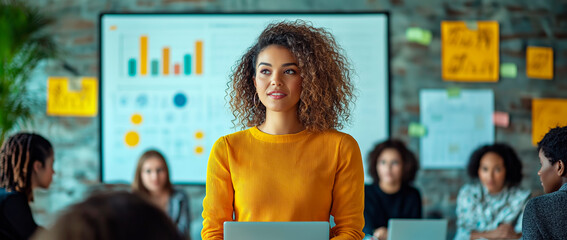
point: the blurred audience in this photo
(26, 163)
(152, 182)
(393, 168)
(491, 207)
(111, 216)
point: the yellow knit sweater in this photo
(305, 176)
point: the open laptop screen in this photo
(410, 229)
(276, 230)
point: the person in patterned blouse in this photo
(491, 207)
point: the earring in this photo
(254, 99)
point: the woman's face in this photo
(390, 166)
(44, 172)
(550, 180)
(492, 172)
(154, 175)
(277, 79)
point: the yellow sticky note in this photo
(63, 101)
(546, 114)
(470, 55)
(539, 62)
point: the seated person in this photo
(393, 168)
(491, 207)
(545, 217)
(111, 216)
(152, 182)
(26, 163)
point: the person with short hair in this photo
(26, 163)
(545, 217)
(293, 89)
(491, 207)
(151, 181)
(391, 195)
(111, 216)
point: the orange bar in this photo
(144, 55)
(176, 68)
(199, 57)
(165, 61)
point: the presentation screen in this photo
(163, 81)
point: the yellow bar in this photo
(144, 55)
(165, 61)
(199, 57)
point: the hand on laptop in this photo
(381, 233)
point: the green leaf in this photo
(24, 43)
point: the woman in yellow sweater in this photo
(292, 87)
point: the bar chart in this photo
(142, 62)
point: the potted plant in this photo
(23, 44)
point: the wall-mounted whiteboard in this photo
(163, 83)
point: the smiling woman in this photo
(278, 86)
(292, 87)
(327, 90)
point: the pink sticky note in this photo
(501, 119)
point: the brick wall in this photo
(413, 67)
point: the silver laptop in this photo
(411, 229)
(276, 230)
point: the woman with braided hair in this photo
(26, 163)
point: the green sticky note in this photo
(418, 35)
(508, 70)
(453, 92)
(416, 130)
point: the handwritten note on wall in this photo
(539, 62)
(547, 113)
(63, 99)
(470, 53)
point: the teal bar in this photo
(155, 66)
(132, 67)
(187, 64)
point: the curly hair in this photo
(512, 163)
(409, 161)
(554, 145)
(17, 156)
(326, 77)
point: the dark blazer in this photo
(545, 217)
(16, 221)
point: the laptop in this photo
(411, 229)
(276, 230)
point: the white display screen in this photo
(163, 83)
